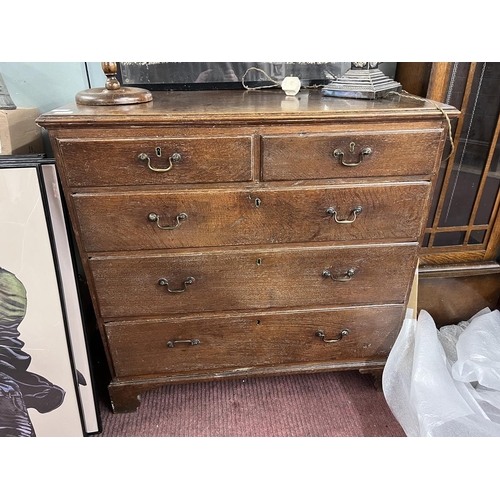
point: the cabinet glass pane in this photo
(462, 188)
(458, 82)
(490, 193)
(476, 237)
(449, 239)
(479, 123)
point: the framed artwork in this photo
(224, 75)
(46, 384)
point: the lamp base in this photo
(110, 97)
(361, 84)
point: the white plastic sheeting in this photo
(446, 382)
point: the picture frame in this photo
(224, 75)
(46, 383)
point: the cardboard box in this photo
(19, 134)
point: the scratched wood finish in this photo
(250, 279)
(255, 178)
(234, 108)
(259, 339)
(117, 163)
(312, 156)
(117, 222)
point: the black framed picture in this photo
(46, 387)
(224, 75)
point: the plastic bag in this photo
(446, 382)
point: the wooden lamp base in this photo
(112, 94)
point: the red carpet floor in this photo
(338, 404)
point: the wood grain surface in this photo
(119, 221)
(252, 279)
(249, 340)
(257, 264)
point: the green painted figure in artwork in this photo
(19, 388)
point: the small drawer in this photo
(154, 285)
(204, 344)
(351, 155)
(147, 161)
(211, 218)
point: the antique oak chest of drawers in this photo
(246, 233)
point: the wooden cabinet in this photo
(459, 269)
(236, 234)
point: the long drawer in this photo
(205, 344)
(127, 162)
(366, 154)
(211, 218)
(180, 282)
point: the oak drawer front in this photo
(252, 340)
(373, 154)
(118, 162)
(140, 221)
(252, 279)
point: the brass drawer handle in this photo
(176, 157)
(347, 277)
(342, 334)
(356, 211)
(187, 281)
(171, 343)
(338, 153)
(156, 218)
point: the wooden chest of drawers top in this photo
(242, 108)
